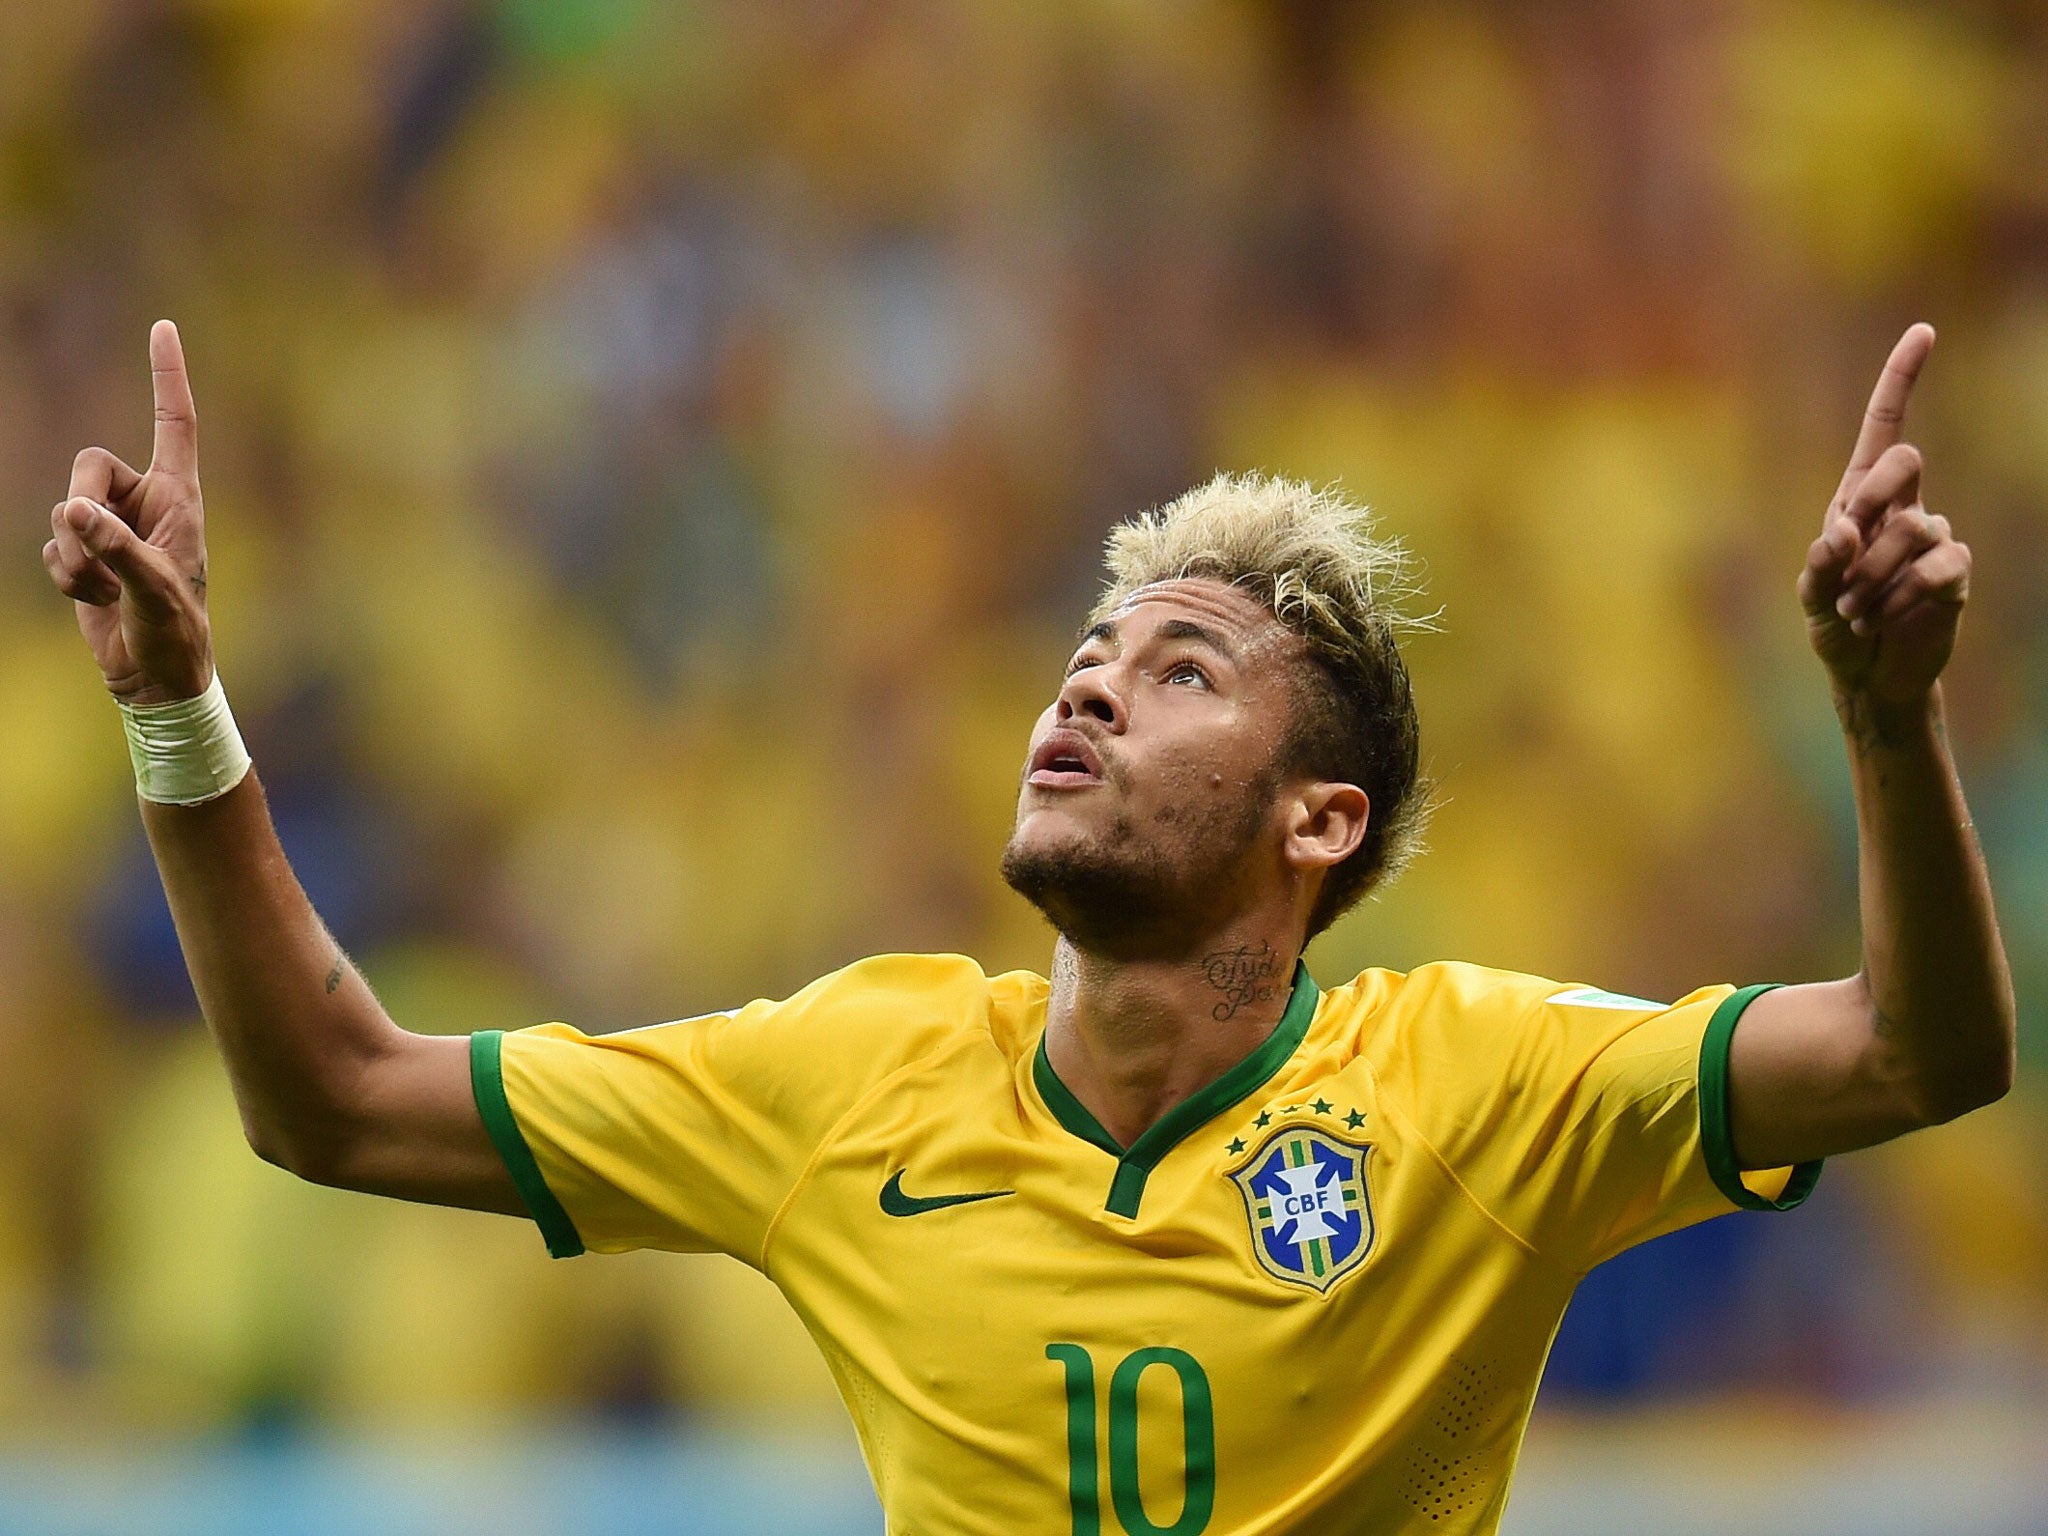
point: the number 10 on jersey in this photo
(1084, 1467)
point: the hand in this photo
(1885, 582)
(130, 550)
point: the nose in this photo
(1092, 692)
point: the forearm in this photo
(299, 1030)
(328, 1086)
(1924, 1032)
(1934, 968)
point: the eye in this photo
(1182, 671)
(1079, 662)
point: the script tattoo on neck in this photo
(1240, 976)
(334, 976)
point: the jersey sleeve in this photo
(1592, 1121)
(690, 1135)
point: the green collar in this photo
(1134, 1164)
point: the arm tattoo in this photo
(1870, 725)
(334, 976)
(1240, 976)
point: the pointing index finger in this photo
(177, 423)
(1886, 413)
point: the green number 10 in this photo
(1198, 1432)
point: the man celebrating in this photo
(1176, 1241)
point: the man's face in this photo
(1149, 800)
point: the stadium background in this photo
(656, 455)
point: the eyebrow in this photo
(1182, 629)
(1172, 629)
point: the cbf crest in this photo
(1311, 1215)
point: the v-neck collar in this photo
(1134, 1164)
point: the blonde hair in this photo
(1312, 556)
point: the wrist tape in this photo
(188, 752)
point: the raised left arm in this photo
(1924, 1032)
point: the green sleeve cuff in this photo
(487, 1082)
(1717, 1131)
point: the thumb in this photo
(1828, 559)
(144, 573)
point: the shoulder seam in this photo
(832, 1132)
(1388, 1100)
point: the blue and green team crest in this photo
(1311, 1216)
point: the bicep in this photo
(416, 1132)
(1811, 1075)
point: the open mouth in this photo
(1064, 760)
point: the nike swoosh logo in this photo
(897, 1203)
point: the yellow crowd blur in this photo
(655, 458)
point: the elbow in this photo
(1941, 1066)
(316, 1126)
(1959, 1088)
(1988, 1089)
(268, 1145)
(318, 1157)
(291, 1153)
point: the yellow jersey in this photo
(1316, 1297)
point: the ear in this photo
(1325, 825)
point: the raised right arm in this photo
(329, 1087)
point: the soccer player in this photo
(1179, 1240)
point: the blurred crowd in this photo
(656, 457)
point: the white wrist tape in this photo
(185, 753)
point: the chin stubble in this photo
(1127, 894)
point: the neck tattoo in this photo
(1240, 976)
